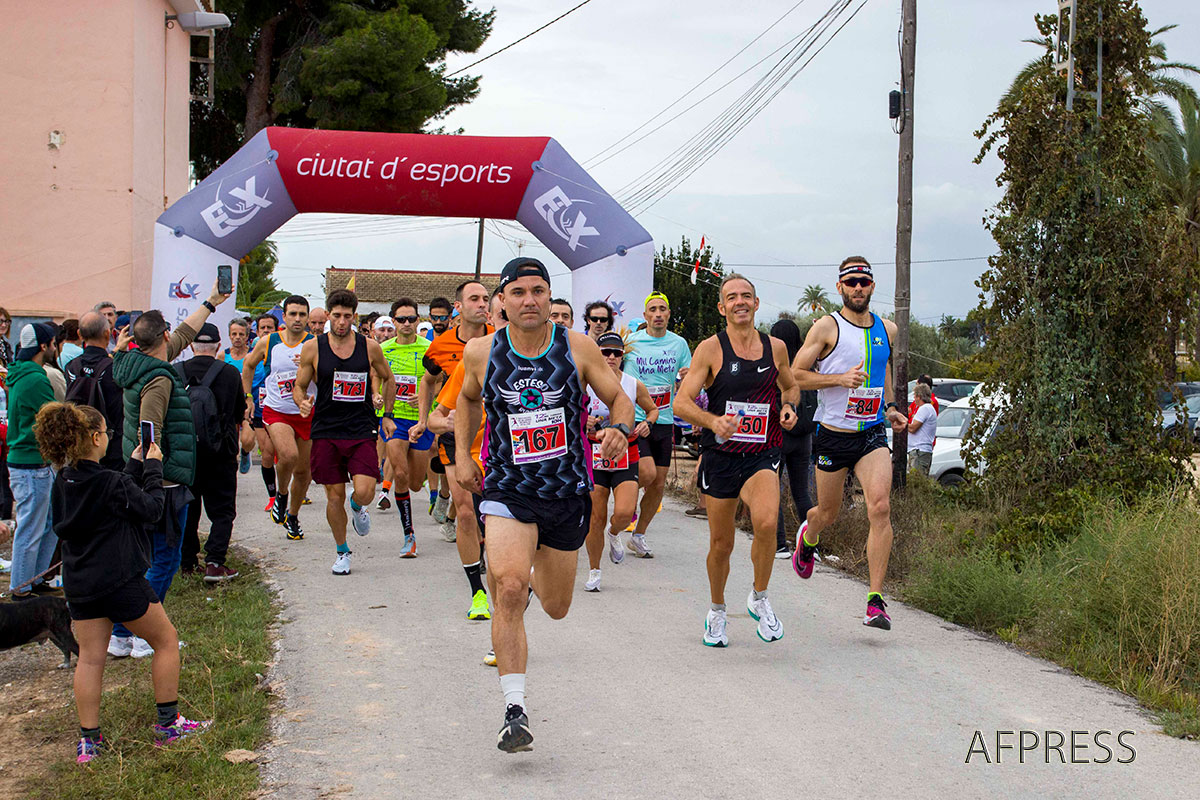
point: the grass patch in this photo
(226, 630)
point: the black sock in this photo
(404, 504)
(167, 712)
(281, 500)
(91, 734)
(474, 577)
(268, 475)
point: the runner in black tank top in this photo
(747, 375)
(531, 378)
(344, 422)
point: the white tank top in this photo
(285, 364)
(597, 408)
(861, 408)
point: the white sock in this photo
(513, 686)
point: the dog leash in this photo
(33, 580)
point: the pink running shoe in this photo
(164, 735)
(88, 749)
(802, 559)
(877, 616)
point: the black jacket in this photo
(227, 390)
(114, 411)
(101, 517)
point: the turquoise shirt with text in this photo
(655, 362)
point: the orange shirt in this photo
(448, 397)
(445, 351)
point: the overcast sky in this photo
(810, 180)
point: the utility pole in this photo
(479, 251)
(904, 201)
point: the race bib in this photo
(406, 387)
(661, 395)
(604, 465)
(538, 435)
(864, 403)
(349, 386)
(262, 394)
(752, 425)
(286, 381)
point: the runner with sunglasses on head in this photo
(619, 477)
(655, 357)
(846, 357)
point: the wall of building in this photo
(95, 133)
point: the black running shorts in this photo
(125, 603)
(722, 475)
(611, 478)
(446, 449)
(834, 450)
(658, 444)
(562, 523)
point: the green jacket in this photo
(28, 390)
(132, 370)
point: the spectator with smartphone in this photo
(154, 393)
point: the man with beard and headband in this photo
(751, 399)
(529, 382)
(344, 424)
(846, 357)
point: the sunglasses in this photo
(612, 353)
(412, 318)
(855, 283)
(597, 319)
(439, 317)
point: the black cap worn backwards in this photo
(610, 341)
(520, 268)
(208, 334)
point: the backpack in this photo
(205, 415)
(806, 412)
(85, 386)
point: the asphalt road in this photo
(386, 696)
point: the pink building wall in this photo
(77, 218)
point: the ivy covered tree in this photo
(372, 65)
(694, 314)
(1091, 273)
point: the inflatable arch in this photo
(282, 172)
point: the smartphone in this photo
(225, 278)
(147, 435)
(133, 315)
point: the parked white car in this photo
(948, 467)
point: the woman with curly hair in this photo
(100, 516)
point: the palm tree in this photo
(814, 298)
(256, 289)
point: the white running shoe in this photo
(593, 581)
(439, 510)
(637, 545)
(120, 646)
(616, 550)
(489, 658)
(5, 565)
(141, 648)
(342, 565)
(361, 520)
(714, 629)
(449, 530)
(770, 629)
(384, 502)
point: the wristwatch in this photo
(622, 427)
(389, 415)
(211, 308)
(891, 405)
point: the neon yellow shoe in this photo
(479, 606)
(490, 658)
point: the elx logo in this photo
(223, 218)
(182, 290)
(618, 306)
(554, 206)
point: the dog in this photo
(36, 620)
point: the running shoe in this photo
(181, 727)
(244, 466)
(5, 565)
(140, 648)
(877, 616)
(479, 606)
(449, 530)
(514, 734)
(384, 502)
(770, 629)
(432, 500)
(409, 550)
(270, 506)
(802, 559)
(218, 573)
(489, 658)
(439, 510)
(593, 581)
(279, 513)
(632, 526)
(342, 565)
(87, 749)
(697, 511)
(637, 545)
(783, 553)
(361, 520)
(292, 527)
(714, 629)
(120, 646)
(616, 550)
(306, 502)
